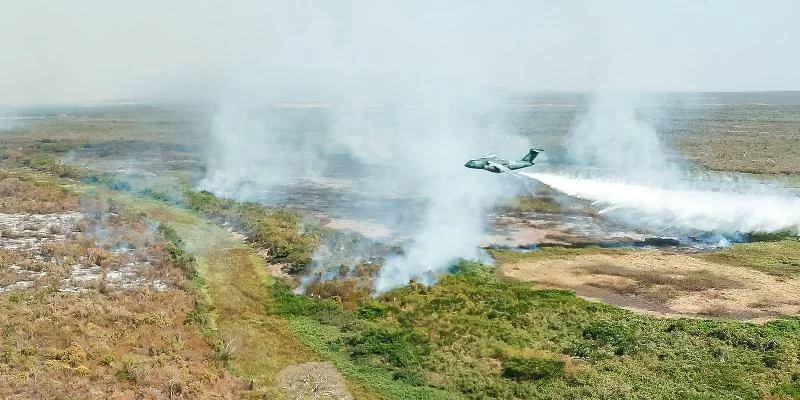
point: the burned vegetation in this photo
(93, 301)
(324, 262)
(101, 296)
(91, 245)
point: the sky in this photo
(95, 50)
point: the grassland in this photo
(234, 306)
(75, 332)
(475, 336)
(755, 138)
(781, 258)
(661, 282)
(121, 345)
(544, 204)
(228, 329)
(216, 338)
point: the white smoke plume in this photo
(693, 205)
(384, 91)
(411, 146)
(616, 138)
(621, 163)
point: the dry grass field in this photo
(117, 280)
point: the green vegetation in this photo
(235, 307)
(475, 336)
(772, 236)
(532, 369)
(41, 155)
(133, 343)
(780, 258)
(278, 230)
(176, 250)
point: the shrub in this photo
(534, 368)
(372, 310)
(119, 185)
(412, 377)
(789, 389)
(579, 349)
(107, 359)
(176, 252)
(299, 267)
(277, 230)
(400, 348)
(298, 305)
(170, 234)
(28, 351)
(772, 358)
(126, 371)
(770, 236)
(615, 334)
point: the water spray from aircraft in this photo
(705, 206)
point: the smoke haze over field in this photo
(624, 167)
(90, 50)
(397, 94)
(408, 146)
(688, 206)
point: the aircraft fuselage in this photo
(487, 164)
(493, 163)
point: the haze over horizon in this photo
(97, 51)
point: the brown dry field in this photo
(756, 152)
(754, 133)
(120, 345)
(111, 342)
(758, 134)
(664, 283)
(91, 306)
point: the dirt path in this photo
(665, 283)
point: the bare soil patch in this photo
(515, 233)
(314, 380)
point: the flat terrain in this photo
(93, 305)
(665, 283)
(757, 136)
(119, 280)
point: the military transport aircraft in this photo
(493, 163)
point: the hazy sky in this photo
(57, 51)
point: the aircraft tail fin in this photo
(531, 155)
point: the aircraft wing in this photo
(501, 167)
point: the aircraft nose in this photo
(469, 164)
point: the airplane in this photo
(493, 163)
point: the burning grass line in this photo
(235, 304)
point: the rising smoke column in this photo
(424, 146)
(623, 166)
(252, 150)
(614, 138)
(411, 145)
(451, 229)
